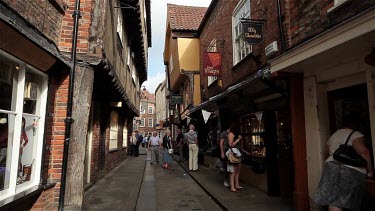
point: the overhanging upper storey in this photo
(137, 19)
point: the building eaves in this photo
(30, 32)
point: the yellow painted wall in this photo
(197, 90)
(188, 52)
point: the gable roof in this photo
(185, 17)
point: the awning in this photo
(211, 103)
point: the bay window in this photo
(23, 99)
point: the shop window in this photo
(240, 48)
(113, 133)
(23, 99)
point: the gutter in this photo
(69, 120)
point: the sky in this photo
(156, 71)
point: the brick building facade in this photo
(106, 96)
(146, 122)
(283, 90)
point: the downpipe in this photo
(281, 29)
(69, 120)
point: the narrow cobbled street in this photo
(137, 185)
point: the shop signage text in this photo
(176, 99)
(211, 64)
(252, 32)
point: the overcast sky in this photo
(156, 73)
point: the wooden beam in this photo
(300, 195)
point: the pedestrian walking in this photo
(180, 145)
(192, 140)
(234, 168)
(153, 145)
(343, 186)
(224, 146)
(133, 144)
(167, 144)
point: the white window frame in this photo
(142, 120)
(17, 110)
(119, 28)
(150, 120)
(143, 111)
(113, 131)
(240, 48)
(125, 134)
(171, 63)
(337, 4)
(152, 110)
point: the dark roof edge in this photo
(148, 11)
(207, 15)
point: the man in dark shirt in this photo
(180, 144)
(224, 146)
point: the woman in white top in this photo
(343, 186)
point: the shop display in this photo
(253, 132)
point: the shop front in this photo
(338, 76)
(260, 106)
(27, 80)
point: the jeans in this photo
(181, 153)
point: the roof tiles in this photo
(185, 17)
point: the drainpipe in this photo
(281, 30)
(69, 120)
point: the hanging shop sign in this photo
(252, 32)
(176, 99)
(211, 64)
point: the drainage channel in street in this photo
(217, 202)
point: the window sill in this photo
(335, 7)
(18, 198)
(113, 150)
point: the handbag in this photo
(170, 150)
(347, 155)
(233, 158)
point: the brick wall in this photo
(45, 15)
(219, 26)
(306, 19)
(55, 130)
(65, 41)
(113, 158)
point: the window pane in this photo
(113, 133)
(33, 84)
(8, 74)
(27, 152)
(6, 134)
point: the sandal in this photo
(239, 187)
(233, 190)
